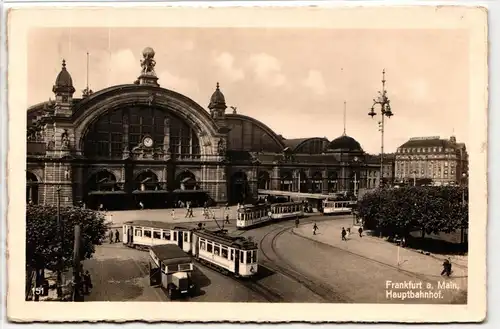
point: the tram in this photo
(331, 207)
(252, 215)
(214, 248)
(143, 234)
(287, 210)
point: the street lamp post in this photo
(414, 178)
(385, 110)
(60, 237)
(462, 231)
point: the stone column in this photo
(324, 187)
(275, 178)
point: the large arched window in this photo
(125, 128)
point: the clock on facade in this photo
(147, 141)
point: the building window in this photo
(115, 130)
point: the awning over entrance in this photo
(150, 192)
(107, 193)
(189, 191)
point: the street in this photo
(294, 266)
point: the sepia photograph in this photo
(285, 164)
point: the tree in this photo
(403, 210)
(43, 243)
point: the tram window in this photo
(147, 233)
(232, 254)
(186, 236)
(255, 256)
(138, 232)
(242, 254)
(164, 268)
(166, 235)
(175, 236)
(156, 235)
(249, 257)
(209, 247)
(224, 252)
(217, 250)
(202, 245)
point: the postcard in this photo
(247, 164)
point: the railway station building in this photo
(139, 142)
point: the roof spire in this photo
(64, 64)
(345, 113)
(217, 87)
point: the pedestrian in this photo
(187, 210)
(141, 205)
(315, 228)
(348, 232)
(227, 219)
(191, 213)
(446, 267)
(117, 236)
(87, 283)
(173, 213)
(344, 233)
(360, 231)
(110, 236)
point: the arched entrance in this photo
(264, 181)
(148, 192)
(286, 181)
(31, 188)
(103, 192)
(317, 182)
(187, 189)
(186, 181)
(239, 188)
(303, 182)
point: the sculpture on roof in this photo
(148, 63)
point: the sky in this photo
(293, 80)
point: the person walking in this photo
(315, 228)
(117, 236)
(173, 213)
(110, 236)
(187, 210)
(141, 205)
(87, 283)
(227, 219)
(297, 222)
(344, 233)
(446, 267)
(360, 231)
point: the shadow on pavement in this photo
(200, 279)
(263, 272)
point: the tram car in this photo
(286, 210)
(331, 207)
(228, 254)
(214, 248)
(252, 215)
(143, 234)
(171, 268)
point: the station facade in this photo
(140, 142)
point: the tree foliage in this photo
(430, 209)
(43, 243)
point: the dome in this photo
(217, 100)
(148, 52)
(64, 78)
(64, 82)
(344, 143)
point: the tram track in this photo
(282, 266)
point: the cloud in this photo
(267, 69)
(171, 81)
(315, 82)
(225, 62)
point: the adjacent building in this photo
(140, 142)
(439, 161)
